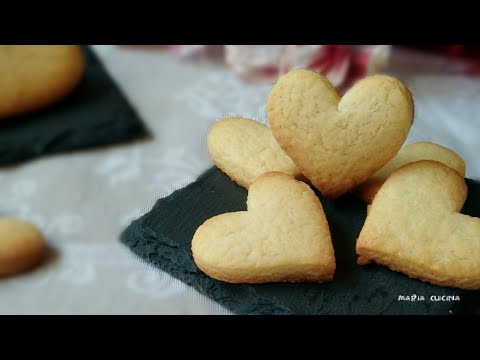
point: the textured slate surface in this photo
(95, 114)
(163, 237)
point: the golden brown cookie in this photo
(408, 154)
(245, 149)
(21, 246)
(414, 226)
(338, 143)
(35, 76)
(284, 236)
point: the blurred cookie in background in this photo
(35, 76)
(22, 246)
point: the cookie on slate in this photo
(414, 226)
(283, 236)
(245, 149)
(338, 143)
(35, 76)
(408, 154)
(21, 246)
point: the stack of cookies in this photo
(337, 145)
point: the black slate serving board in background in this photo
(95, 114)
(163, 237)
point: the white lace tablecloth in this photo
(82, 201)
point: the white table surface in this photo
(83, 200)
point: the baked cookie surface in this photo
(21, 246)
(408, 154)
(414, 226)
(35, 76)
(283, 236)
(245, 149)
(338, 143)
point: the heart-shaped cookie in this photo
(245, 149)
(338, 143)
(35, 76)
(284, 236)
(414, 226)
(408, 154)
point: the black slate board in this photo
(163, 237)
(95, 114)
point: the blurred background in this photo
(342, 64)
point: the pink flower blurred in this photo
(341, 64)
(196, 51)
